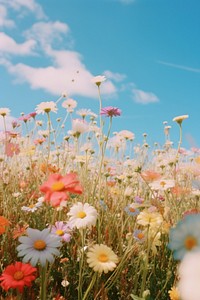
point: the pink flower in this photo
(58, 187)
(12, 149)
(110, 111)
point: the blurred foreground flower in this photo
(17, 276)
(189, 272)
(101, 258)
(185, 237)
(39, 246)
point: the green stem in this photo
(43, 287)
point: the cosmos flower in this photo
(39, 246)
(4, 111)
(69, 104)
(17, 276)
(162, 184)
(139, 235)
(58, 187)
(185, 237)
(98, 79)
(46, 107)
(127, 135)
(110, 111)
(101, 258)
(180, 119)
(79, 126)
(82, 215)
(62, 229)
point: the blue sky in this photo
(149, 50)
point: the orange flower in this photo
(180, 191)
(149, 175)
(17, 276)
(19, 231)
(3, 224)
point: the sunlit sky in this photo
(149, 51)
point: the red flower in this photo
(17, 276)
(58, 187)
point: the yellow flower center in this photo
(31, 206)
(47, 110)
(39, 245)
(132, 209)
(18, 275)
(190, 242)
(103, 257)
(59, 232)
(81, 214)
(162, 183)
(140, 236)
(57, 186)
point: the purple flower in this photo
(110, 111)
(63, 230)
(139, 235)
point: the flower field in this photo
(86, 214)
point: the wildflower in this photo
(69, 104)
(46, 107)
(98, 80)
(152, 219)
(185, 236)
(189, 272)
(84, 112)
(62, 229)
(139, 236)
(101, 258)
(174, 293)
(12, 149)
(19, 230)
(110, 111)
(3, 224)
(17, 276)
(131, 210)
(127, 135)
(38, 246)
(82, 215)
(32, 207)
(4, 111)
(180, 119)
(64, 282)
(79, 126)
(150, 175)
(162, 184)
(58, 187)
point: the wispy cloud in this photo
(182, 67)
(9, 46)
(21, 6)
(4, 20)
(142, 97)
(118, 77)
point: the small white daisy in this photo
(46, 107)
(82, 215)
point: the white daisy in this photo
(46, 107)
(39, 246)
(4, 111)
(69, 104)
(101, 258)
(82, 215)
(98, 79)
(180, 119)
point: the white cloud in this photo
(67, 74)
(25, 5)
(9, 46)
(4, 21)
(142, 97)
(46, 32)
(182, 67)
(115, 76)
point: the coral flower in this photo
(149, 175)
(3, 224)
(58, 187)
(17, 276)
